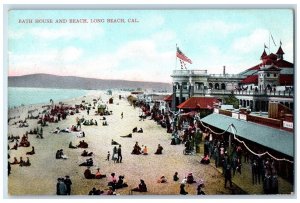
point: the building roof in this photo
(283, 64)
(168, 98)
(286, 79)
(252, 79)
(198, 103)
(264, 54)
(278, 140)
(280, 51)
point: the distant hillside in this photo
(73, 82)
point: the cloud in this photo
(252, 42)
(80, 31)
(215, 27)
(136, 60)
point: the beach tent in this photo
(101, 108)
(131, 99)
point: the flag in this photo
(280, 43)
(273, 39)
(183, 57)
(266, 46)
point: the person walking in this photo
(68, 183)
(122, 115)
(228, 175)
(119, 155)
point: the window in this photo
(275, 75)
(268, 74)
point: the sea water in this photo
(18, 96)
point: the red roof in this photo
(264, 54)
(252, 79)
(286, 79)
(168, 98)
(280, 51)
(271, 56)
(198, 103)
(283, 64)
(255, 67)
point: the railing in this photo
(226, 76)
(189, 72)
(246, 92)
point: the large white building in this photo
(269, 81)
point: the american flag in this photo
(183, 57)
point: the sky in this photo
(144, 50)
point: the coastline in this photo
(41, 177)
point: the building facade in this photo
(268, 82)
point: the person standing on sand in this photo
(68, 183)
(62, 187)
(122, 115)
(119, 155)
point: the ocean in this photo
(18, 96)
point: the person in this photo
(119, 160)
(114, 156)
(58, 154)
(110, 191)
(190, 179)
(136, 149)
(205, 160)
(228, 175)
(199, 190)
(112, 180)
(68, 183)
(82, 144)
(122, 115)
(108, 155)
(89, 162)
(71, 146)
(86, 153)
(31, 152)
(62, 188)
(98, 175)
(88, 174)
(145, 151)
(121, 183)
(175, 177)
(162, 179)
(114, 142)
(141, 188)
(57, 186)
(182, 190)
(127, 136)
(134, 130)
(15, 161)
(95, 192)
(159, 149)
(8, 167)
(26, 163)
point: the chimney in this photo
(224, 72)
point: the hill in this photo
(73, 82)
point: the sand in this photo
(41, 177)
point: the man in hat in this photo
(68, 183)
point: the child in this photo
(108, 155)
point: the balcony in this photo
(189, 73)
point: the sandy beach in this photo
(41, 177)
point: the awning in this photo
(276, 139)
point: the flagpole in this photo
(269, 43)
(176, 58)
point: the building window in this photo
(275, 75)
(268, 74)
